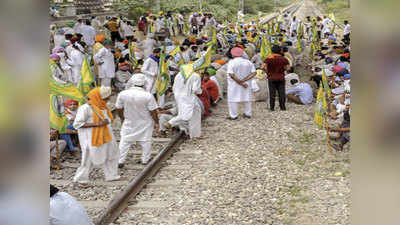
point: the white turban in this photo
(105, 92)
(136, 80)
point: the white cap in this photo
(105, 92)
(138, 79)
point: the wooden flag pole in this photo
(327, 134)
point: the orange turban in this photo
(99, 38)
(125, 42)
(220, 62)
(192, 39)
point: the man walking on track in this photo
(137, 109)
(240, 71)
(275, 67)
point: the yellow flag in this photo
(320, 108)
(58, 121)
(66, 89)
(265, 50)
(85, 84)
(163, 78)
(187, 70)
(325, 83)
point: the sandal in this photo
(83, 185)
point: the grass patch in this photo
(295, 191)
(303, 200)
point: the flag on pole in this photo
(58, 120)
(332, 17)
(265, 48)
(325, 83)
(187, 70)
(87, 79)
(298, 45)
(163, 78)
(67, 89)
(320, 108)
(132, 55)
(177, 50)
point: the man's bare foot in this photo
(167, 125)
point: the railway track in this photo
(105, 201)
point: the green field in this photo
(340, 8)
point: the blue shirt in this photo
(303, 91)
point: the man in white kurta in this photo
(104, 156)
(240, 72)
(89, 33)
(189, 110)
(75, 60)
(138, 110)
(105, 61)
(150, 69)
(148, 45)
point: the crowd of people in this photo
(249, 63)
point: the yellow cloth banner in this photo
(85, 84)
(320, 108)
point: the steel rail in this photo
(120, 201)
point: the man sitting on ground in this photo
(301, 93)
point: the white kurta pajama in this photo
(89, 34)
(107, 69)
(241, 68)
(138, 124)
(189, 111)
(105, 156)
(150, 70)
(76, 61)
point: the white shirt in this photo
(294, 25)
(96, 24)
(107, 69)
(303, 91)
(347, 28)
(129, 30)
(150, 69)
(66, 210)
(185, 94)
(76, 61)
(137, 104)
(241, 68)
(89, 33)
(147, 46)
(180, 19)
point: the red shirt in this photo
(212, 89)
(275, 65)
(142, 25)
(205, 99)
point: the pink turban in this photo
(55, 57)
(58, 49)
